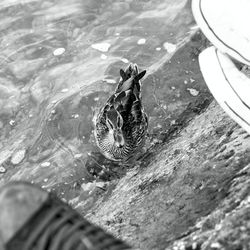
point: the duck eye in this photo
(119, 122)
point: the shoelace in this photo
(56, 226)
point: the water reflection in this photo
(52, 78)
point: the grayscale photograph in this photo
(124, 124)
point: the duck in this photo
(120, 126)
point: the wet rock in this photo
(176, 173)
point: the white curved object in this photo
(226, 24)
(229, 86)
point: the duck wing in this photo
(127, 99)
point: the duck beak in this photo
(118, 138)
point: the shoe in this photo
(120, 127)
(32, 219)
(226, 24)
(229, 86)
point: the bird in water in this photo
(121, 125)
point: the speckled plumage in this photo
(121, 125)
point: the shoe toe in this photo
(18, 202)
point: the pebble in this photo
(45, 164)
(112, 81)
(103, 56)
(169, 47)
(46, 180)
(75, 116)
(141, 41)
(185, 82)
(103, 47)
(194, 245)
(2, 170)
(58, 51)
(192, 80)
(193, 92)
(158, 48)
(172, 122)
(12, 122)
(216, 245)
(77, 156)
(18, 157)
(125, 60)
(64, 90)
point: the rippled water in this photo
(59, 61)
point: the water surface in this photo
(60, 62)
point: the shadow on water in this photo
(60, 61)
